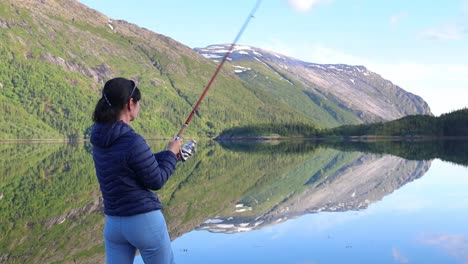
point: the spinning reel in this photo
(188, 149)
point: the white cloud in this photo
(304, 5)
(455, 29)
(396, 18)
(398, 257)
(450, 30)
(446, 32)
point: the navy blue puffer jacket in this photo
(127, 170)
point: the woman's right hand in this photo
(174, 145)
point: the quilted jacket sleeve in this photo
(152, 170)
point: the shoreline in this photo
(367, 138)
(343, 138)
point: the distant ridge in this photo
(338, 88)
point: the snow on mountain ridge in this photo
(256, 52)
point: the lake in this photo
(300, 202)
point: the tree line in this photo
(453, 124)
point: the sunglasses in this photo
(133, 90)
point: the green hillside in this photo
(278, 84)
(57, 55)
(17, 123)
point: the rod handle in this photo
(182, 131)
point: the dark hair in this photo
(115, 95)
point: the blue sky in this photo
(422, 46)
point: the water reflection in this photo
(387, 231)
(51, 210)
(330, 181)
(455, 245)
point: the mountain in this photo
(339, 93)
(57, 54)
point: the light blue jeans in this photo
(147, 232)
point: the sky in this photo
(419, 45)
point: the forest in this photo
(453, 124)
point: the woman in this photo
(127, 171)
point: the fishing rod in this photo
(185, 125)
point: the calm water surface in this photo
(424, 221)
(286, 202)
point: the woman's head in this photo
(118, 96)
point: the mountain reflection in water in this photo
(347, 181)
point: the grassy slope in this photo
(293, 94)
(55, 66)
